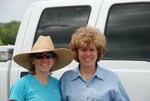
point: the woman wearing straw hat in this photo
(38, 85)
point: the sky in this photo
(13, 9)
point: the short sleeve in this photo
(18, 91)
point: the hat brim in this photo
(64, 55)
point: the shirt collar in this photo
(75, 73)
(98, 73)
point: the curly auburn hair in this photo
(86, 35)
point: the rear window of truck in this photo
(128, 32)
(60, 23)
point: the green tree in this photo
(1, 43)
(8, 32)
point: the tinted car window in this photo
(128, 32)
(60, 23)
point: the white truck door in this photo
(125, 24)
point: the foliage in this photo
(8, 32)
(1, 42)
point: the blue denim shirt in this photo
(103, 86)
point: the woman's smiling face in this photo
(88, 56)
(43, 62)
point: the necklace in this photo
(87, 76)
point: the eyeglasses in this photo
(42, 55)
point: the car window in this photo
(128, 32)
(60, 23)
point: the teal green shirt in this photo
(30, 89)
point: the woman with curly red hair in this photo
(89, 81)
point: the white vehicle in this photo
(126, 24)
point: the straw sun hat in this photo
(45, 44)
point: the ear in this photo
(55, 59)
